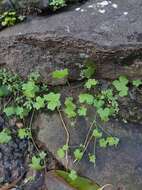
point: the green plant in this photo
(89, 69)
(30, 89)
(121, 86)
(15, 111)
(137, 83)
(39, 103)
(59, 74)
(53, 100)
(37, 162)
(25, 97)
(77, 182)
(4, 91)
(73, 175)
(10, 18)
(82, 111)
(5, 136)
(86, 98)
(92, 158)
(91, 83)
(23, 133)
(97, 133)
(109, 141)
(62, 151)
(70, 108)
(78, 154)
(57, 4)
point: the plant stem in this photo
(30, 127)
(67, 135)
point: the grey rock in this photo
(119, 166)
(112, 40)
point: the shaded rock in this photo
(24, 6)
(12, 157)
(5, 5)
(119, 166)
(65, 40)
(131, 106)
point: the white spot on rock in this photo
(67, 29)
(78, 9)
(103, 3)
(102, 11)
(125, 13)
(90, 6)
(114, 5)
(82, 10)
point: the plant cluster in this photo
(22, 98)
(57, 4)
(10, 18)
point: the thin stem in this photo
(107, 185)
(88, 142)
(67, 135)
(106, 132)
(95, 150)
(86, 139)
(30, 126)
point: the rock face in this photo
(109, 33)
(119, 166)
(23, 5)
(105, 33)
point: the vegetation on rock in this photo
(10, 18)
(22, 99)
